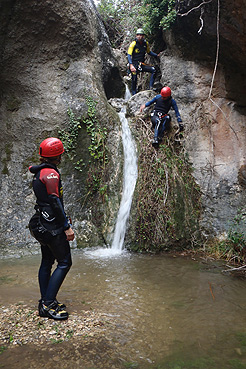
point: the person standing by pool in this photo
(51, 227)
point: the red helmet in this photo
(51, 147)
(166, 91)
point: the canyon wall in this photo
(53, 55)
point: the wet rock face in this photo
(53, 54)
(242, 176)
(228, 18)
(214, 128)
(37, 33)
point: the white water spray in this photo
(130, 174)
(129, 182)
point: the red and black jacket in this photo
(48, 190)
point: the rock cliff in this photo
(213, 110)
(53, 54)
(203, 63)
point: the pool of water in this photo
(169, 312)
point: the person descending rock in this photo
(136, 54)
(51, 227)
(159, 117)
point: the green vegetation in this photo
(69, 136)
(202, 363)
(54, 341)
(241, 337)
(122, 18)
(2, 349)
(97, 149)
(13, 104)
(236, 364)
(190, 360)
(131, 365)
(6, 279)
(97, 133)
(158, 14)
(69, 334)
(233, 247)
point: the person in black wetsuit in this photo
(50, 226)
(135, 55)
(159, 117)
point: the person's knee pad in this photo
(66, 263)
(153, 121)
(167, 122)
(154, 118)
(168, 118)
(153, 70)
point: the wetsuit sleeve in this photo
(151, 53)
(129, 58)
(130, 51)
(175, 107)
(151, 101)
(51, 180)
(57, 207)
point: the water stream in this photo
(167, 312)
(130, 177)
(129, 181)
(130, 173)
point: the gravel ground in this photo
(20, 325)
(29, 341)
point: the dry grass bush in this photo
(167, 198)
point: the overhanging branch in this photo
(195, 8)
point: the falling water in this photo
(129, 182)
(130, 174)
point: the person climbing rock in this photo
(51, 227)
(136, 55)
(159, 117)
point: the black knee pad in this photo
(167, 122)
(66, 263)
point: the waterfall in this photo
(130, 173)
(129, 181)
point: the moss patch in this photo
(13, 104)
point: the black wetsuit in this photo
(48, 225)
(160, 118)
(136, 54)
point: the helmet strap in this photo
(52, 160)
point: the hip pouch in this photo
(39, 231)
